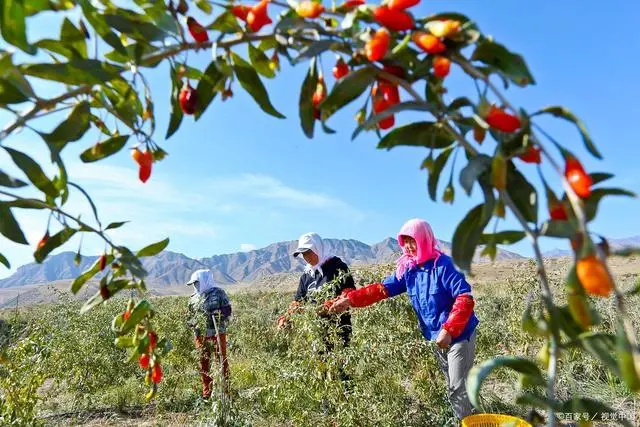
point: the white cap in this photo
(308, 242)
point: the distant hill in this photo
(170, 268)
(614, 244)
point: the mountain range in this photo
(171, 268)
(614, 244)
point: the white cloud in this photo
(257, 186)
(246, 247)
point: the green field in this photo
(60, 367)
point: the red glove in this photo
(367, 295)
(460, 314)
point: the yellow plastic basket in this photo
(493, 420)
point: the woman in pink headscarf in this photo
(442, 300)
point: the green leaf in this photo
(434, 173)
(307, 113)
(135, 27)
(260, 62)
(522, 193)
(9, 94)
(510, 64)
(204, 6)
(315, 49)
(226, 23)
(598, 177)
(5, 261)
(480, 372)
(12, 74)
(33, 171)
(471, 172)
(422, 134)
(467, 237)
(556, 228)
(592, 202)
(10, 182)
(52, 243)
(13, 25)
(139, 312)
(153, 249)
(79, 281)
(403, 106)
(460, 102)
(73, 39)
(346, 90)
(72, 129)
(27, 204)
(625, 356)
(250, 81)
(124, 342)
(601, 346)
(104, 149)
(207, 88)
(114, 225)
(176, 111)
(9, 227)
(502, 238)
(75, 72)
(98, 22)
(564, 113)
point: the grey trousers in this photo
(456, 362)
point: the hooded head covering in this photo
(313, 242)
(426, 242)
(204, 279)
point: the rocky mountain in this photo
(614, 244)
(170, 268)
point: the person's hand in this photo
(282, 323)
(444, 339)
(340, 304)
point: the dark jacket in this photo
(328, 282)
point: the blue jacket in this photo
(432, 290)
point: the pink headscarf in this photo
(427, 244)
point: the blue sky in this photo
(239, 179)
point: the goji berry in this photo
(341, 69)
(379, 105)
(395, 20)
(144, 360)
(390, 92)
(479, 133)
(532, 155)
(156, 373)
(241, 11)
(103, 261)
(188, 99)
(578, 179)
(44, 240)
(441, 66)
(444, 28)
(310, 9)
(126, 315)
(258, 17)
(104, 292)
(428, 42)
(197, 31)
(402, 4)
(499, 119)
(557, 211)
(153, 341)
(144, 159)
(377, 47)
(350, 4)
(593, 276)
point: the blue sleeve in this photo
(453, 280)
(394, 286)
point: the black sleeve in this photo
(301, 293)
